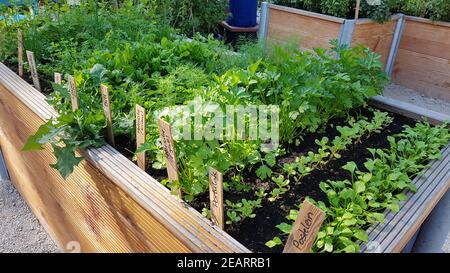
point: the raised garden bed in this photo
(120, 86)
(315, 30)
(109, 204)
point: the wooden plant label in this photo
(107, 112)
(140, 134)
(20, 51)
(58, 78)
(165, 133)
(216, 197)
(73, 93)
(33, 70)
(305, 229)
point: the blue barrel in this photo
(243, 13)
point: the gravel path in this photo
(20, 231)
(411, 96)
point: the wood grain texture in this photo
(305, 229)
(216, 197)
(108, 204)
(140, 134)
(311, 32)
(423, 59)
(377, 37)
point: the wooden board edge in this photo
(307, 13)
(427, 21)
(409, 109)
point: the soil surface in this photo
(20, 231)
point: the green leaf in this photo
(328, 247)
(43, 135)
(359, 186)
(285, 228)
(350, 166)
(65, 160)
(361, 235)
(270, 159)
(274, 242)
(263, 172)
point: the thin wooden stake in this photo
(165, 133)
(73, 93)
(20, 51)
(216, 197)
(140, 134)
(358, 4)
(305, 229)
(33, 70)
(58, 78)
(107, 112)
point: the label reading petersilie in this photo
(107, 112)
(33, 70)
(73, 93)
(140, 134)
(216, 197)
(305, 229)
(20, 51)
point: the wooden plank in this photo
(312, 31)
(140, 134)
(423, 60)
(409, 110)
(216, 197)
(305, 229)
(377, 37)
(306, 13)
(140, 207)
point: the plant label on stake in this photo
(33, 70)
(305, 229)
(73, 93)
(140, 134)
(216, 197)
(107, 112)
(165, 135)
(20, 51)
(58, 78)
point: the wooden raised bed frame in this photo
(110, 205)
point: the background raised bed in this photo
(423, 58)
(316, 30)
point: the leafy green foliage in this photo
(357, 204)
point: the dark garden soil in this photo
(254, 233)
